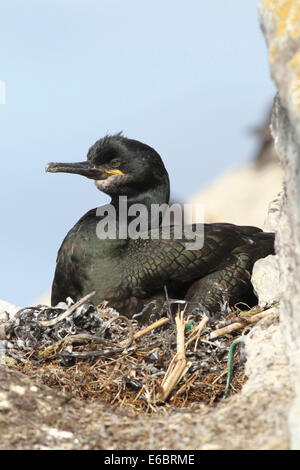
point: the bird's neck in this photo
(159, 194)
(143, 200)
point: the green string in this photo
(189, 326)
(230, 361)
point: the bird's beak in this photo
(82, 168)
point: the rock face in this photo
(265, 280)
(280, 22)
(265, 275)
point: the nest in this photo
(94, 354)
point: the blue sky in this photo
(188, 78)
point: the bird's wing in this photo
(155, 262)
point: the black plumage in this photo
(130, 272)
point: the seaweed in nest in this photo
(93, 353)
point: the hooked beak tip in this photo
(49, 168)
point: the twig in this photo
(68, 312)
(227, 329)
(258, 316)
(220, 376)
(50, 351)
(146, 330)
(236, 326)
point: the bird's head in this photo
(121, 167)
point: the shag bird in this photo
(130, 271)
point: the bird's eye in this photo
(115, 163)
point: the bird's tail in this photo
(259, 244)
(266, 240)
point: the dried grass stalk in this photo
(178, 365)
(195, 334)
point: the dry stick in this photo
(227, 329)
(68, 312)
(146, 330)
(178, 366)
(52, 349)
(260, 315)
(236, 326)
